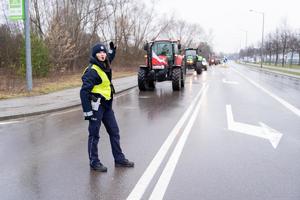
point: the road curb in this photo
(17, 116)
(4, 118)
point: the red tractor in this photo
(163, 63)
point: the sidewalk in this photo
(35, 105)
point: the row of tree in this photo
(280, 47)
(63, 31)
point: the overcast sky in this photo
(229, 19)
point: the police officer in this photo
(96, 96)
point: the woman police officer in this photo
(96, 96)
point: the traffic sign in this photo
(16, 10)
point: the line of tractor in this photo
(165, 61)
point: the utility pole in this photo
(28, 47)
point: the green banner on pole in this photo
(16, 10)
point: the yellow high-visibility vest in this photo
(103, 88)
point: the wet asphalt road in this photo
(45, 157)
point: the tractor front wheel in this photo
(176, 79)
(182, 77)
(199, 68)
(142, 82)
(151, 85)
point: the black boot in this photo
(99, 167)
(124, 163)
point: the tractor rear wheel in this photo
(176, 79)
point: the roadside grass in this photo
(53, 84)
(280, 66)
(277, 68)
(284, 71)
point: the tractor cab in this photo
(190, 56)
(164, 50)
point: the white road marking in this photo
(280, 100)
(9, 122)
(144, 97)
(164, 180)
(147, 176)
(229, 82)
(262, 131)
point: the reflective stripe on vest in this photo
(103, 88)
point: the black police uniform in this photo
(104, 113)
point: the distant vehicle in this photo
(163, 63)
(217, 61)
(191, 60)
(204, 64)
(211, 61)
(214, 61)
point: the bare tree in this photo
(276, 45)
(72, 30)
(269, 47)
(206, 49)
(284, 42)
(298, 45)
(190, 35)
(292, 45)
(35, 17)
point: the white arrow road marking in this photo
(262, 131)
(229, 82)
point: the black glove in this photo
(90, 118)
(112, 46)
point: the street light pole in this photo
(262, 36)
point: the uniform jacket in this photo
(90, 78)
